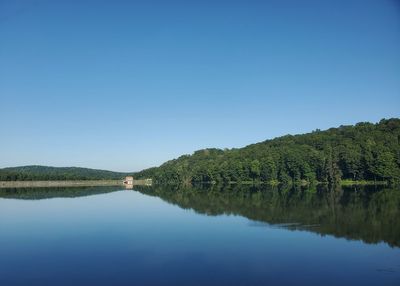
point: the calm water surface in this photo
(159, 236)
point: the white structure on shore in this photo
(128, 181)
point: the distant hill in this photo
(364, 151)
(38, 173)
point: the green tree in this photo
(255, 169)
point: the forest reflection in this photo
(368, 213)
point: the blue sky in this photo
(125, 85)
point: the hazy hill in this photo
(34, 173)
(364, 151)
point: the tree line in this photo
(44, 173)
(364, 151)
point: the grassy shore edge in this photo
(81, 183)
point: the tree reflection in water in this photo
(370, 214)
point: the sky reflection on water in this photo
(129, 238)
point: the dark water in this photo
(199, 236)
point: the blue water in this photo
(129, 238)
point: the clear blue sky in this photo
(125, 85)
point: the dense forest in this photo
(364, 151)
(38, 173)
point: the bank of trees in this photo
(365, 151)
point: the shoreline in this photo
(80, 183)
(303, 183)
(142, 182)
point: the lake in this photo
(238, 235)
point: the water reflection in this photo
(369, 214)
(54, 192)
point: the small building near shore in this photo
(128, 181)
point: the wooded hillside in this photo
(365, 151)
